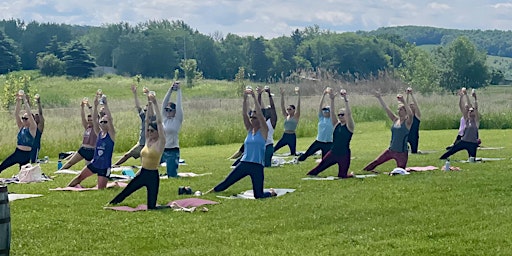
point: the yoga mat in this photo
(490, 148)
(358, 176)
(14, 196)
(67, 171)
(80, 188)
(180, 162)
(421, 168)
(250, 195)
(481, 159)
(182, 203)
(186, 175)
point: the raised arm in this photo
(348, 113)
(137, 103)
(83, 115)
(417, 111)
(297, 110)
(111, 129)
(153, 105)
(95, 118)
(245, 110)
(273, 113)
(40, 126)
(283, 108)
(17, 110)
(322, 102)
(166, 100)
(333, 111)
(179, 104)
(386, 108)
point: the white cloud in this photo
(438, 6)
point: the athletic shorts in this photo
(86, 153)
(98, 171)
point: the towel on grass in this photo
(15, 196)
(421, 168)
(80, 188)
(188, 203)
(249, 194)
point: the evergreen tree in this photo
(79, 63)
(9, 60)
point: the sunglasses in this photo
(24, 118)
(341, 114)
(326, 110)
(289, 109)
(103, 122)
(151, 130)
(169, 109)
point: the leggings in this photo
(18, 157)
(460, 145)
(329, 160)
(413, 142)
(34, 154)
(317, 145)
(269, 152)
(254, 170)
(289, 139)
(400, 158)
(146, 178)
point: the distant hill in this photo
(494, 42)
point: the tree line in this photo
(159, 48)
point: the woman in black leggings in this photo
(150, 158)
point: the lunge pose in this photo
(414, 134)
(39, 118)
(150, 158)
(399, 132)
(291, 120)
(252, 160)
(326, 124)
(342, 135)
(102, 159)
(26, 135)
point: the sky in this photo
(268, 18)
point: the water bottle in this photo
(447, 165)
(59, 165)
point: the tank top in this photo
(254, 148)
(25, 138)
(150, 158)
(270, 136)
(89, 137)
(103, 153)
(341, 140)
(325, 129)
(290, 124)
(415, 127)
(399, 136)
(470, 132)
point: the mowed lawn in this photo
(429, 213)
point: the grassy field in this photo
(429, 213)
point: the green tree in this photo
(79, 63)
(463, 66)
(50, 65)
(9, 60)
(11, 87)
(419, 70)
(259, 63)
(189, 66)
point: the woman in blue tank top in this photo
(291, 120)
(26, 135)
(252, 161)
(399, 133)
(102, 159)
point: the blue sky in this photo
(269, 18)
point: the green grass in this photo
(430, 213)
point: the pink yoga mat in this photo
(80, 188)
(187, 202)
(421, 168)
